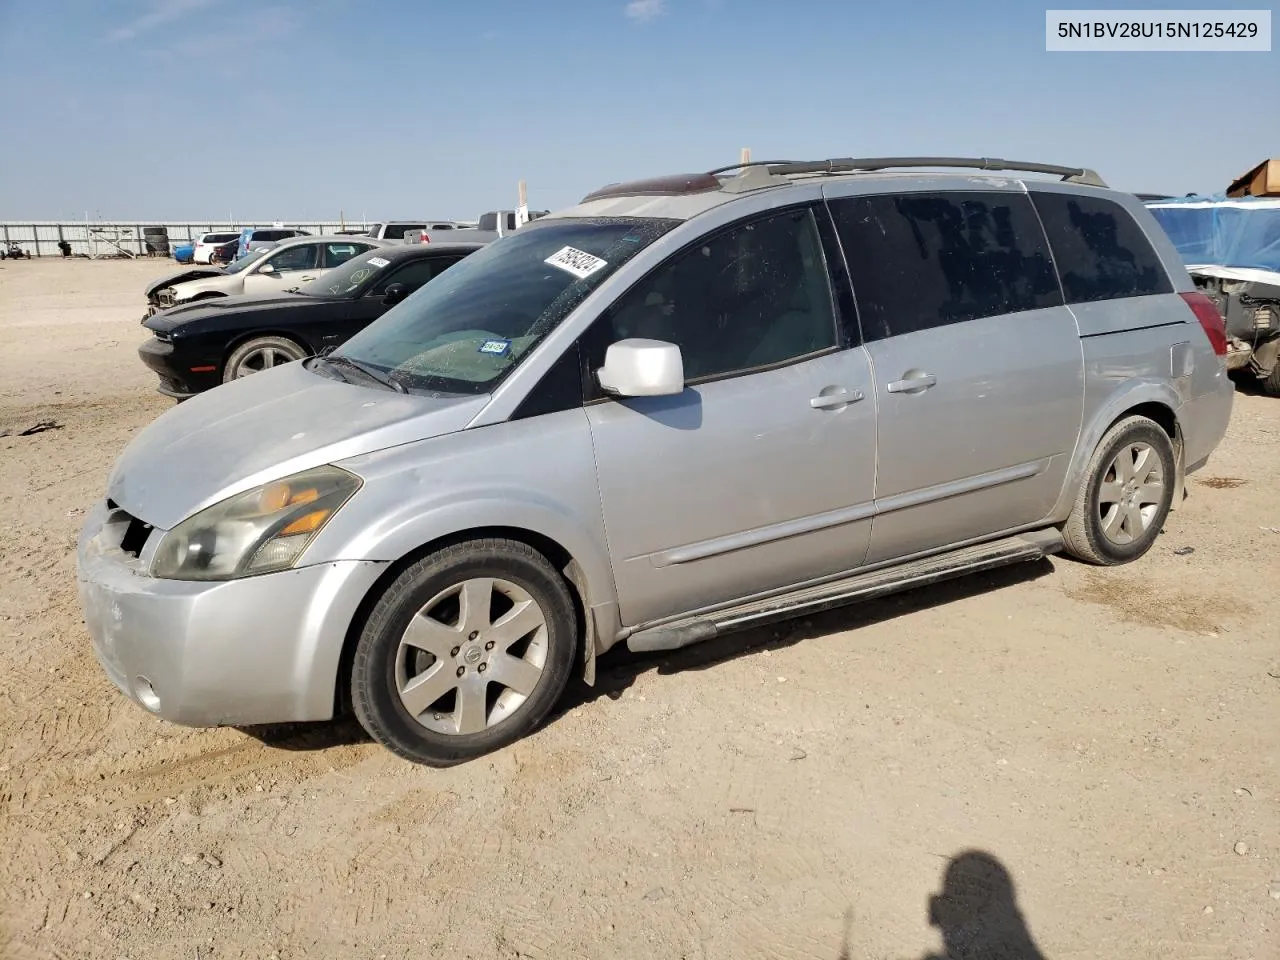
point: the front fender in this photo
(413, 524)
(1120, 399)
(535, 476)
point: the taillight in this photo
(424, 238)
(1206, 312)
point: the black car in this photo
(200, 345)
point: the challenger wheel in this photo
(260, 353)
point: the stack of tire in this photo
(156, 240)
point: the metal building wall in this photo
(86, 239)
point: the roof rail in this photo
(849, 165)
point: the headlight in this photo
(259, 531)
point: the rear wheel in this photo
(260, 353)
(1126, 494)
(466, 651)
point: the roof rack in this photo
(850, 165)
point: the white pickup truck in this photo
(410, 231)
(491, 226)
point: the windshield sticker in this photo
(378, 261)
(495, 347)
(578, 262)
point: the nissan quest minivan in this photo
(684, 406)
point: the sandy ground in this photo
(1110, 738)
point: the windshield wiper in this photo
(386, 381)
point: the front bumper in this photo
(177, 380)
(264, 649)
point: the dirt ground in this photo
(1110, 738)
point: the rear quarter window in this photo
(1100, 251)
(925, 260)
(397, 231)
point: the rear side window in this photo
(397, 231)
(1100, 251)
(337, 253)
(276, 235)
(925, 260)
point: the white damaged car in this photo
(275, 270)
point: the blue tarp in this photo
(1243, 232)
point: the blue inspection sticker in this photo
(495, 347)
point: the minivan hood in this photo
(264, 427)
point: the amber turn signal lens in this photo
(307, 523)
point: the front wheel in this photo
(1126, 494)
(258, 354)
(465, 652)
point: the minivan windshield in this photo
(466, 329)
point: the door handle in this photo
(837, 398)
(912, 384)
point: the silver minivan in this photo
(684, 406)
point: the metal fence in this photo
(112, 238)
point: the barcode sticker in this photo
(578, 262)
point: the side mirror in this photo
(642, 368)
(268, 268)
(395, 293)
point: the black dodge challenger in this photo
(197, 346)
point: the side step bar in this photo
(861, 586)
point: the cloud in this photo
(642, 10)
(161, 12)
(229, 47)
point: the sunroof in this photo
(670, 185)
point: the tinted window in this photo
(397, 231)
(923, 260)
(1100, 251)
(750, 297)
(302, 257)
(488, 221)
(559, 389)
(414, 274)
(336, 253)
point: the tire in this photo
(473, 714)
(1271, 383)
(258, 354)
(1116, 518)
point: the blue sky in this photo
(292, 109)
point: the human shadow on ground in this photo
(976, 913)
(618, 669)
